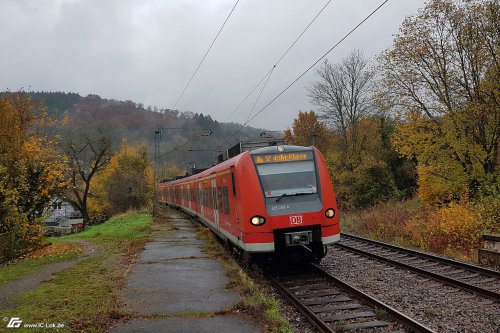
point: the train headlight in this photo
(257, 220)
(330, 213)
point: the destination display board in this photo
(283, 157)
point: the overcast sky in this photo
(146, 51)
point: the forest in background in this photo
(136, 123)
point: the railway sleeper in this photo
(364, 325)
(455, 272)
(327, 301)
(347, 316)
(331, 308)
(317, 294)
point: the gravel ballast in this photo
(442, 308)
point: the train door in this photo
(214, 199)
(188, 189)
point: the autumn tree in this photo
(442, 77)
(307, 130)
(170, 171)
(343, 93)
(88, 152)
(363, 164)
(32, 172)
(126, 183)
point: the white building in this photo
(63, 217)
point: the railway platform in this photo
(175, 287)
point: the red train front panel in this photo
(291, 191)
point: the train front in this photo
(297, 209)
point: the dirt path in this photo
(33, 280)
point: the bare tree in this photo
(88, 152)
(343, 94)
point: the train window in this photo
(220, 203)
(210, 198)
(287, 178)
(214, 197)
(234, 184)
(226, 200)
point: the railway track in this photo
(472, 278)
(334, 306)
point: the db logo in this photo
(295, 219)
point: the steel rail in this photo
(456, 263)
(310, 315)
(441, 278)
(397, 315)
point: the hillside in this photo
(137, 124)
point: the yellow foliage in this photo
(448, 102)
(453, 229)
(126, 183)
(170, 171)
(31, 170)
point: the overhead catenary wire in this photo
(206, 54)
(247, 96)
(260, 94)
(185, 143)
(269, 72)
(305, 72)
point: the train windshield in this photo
(288, 178)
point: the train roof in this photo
(276, 149)
(233, 160)
(219, 167)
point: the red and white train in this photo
(276, 200)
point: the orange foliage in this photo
(56, 249)
(307, 130)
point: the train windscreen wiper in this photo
(292, 194)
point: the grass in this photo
(85, 297)
(81, 298)
(130, 226)
(254, 301)
(24, 267)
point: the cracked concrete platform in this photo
(175, 278)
